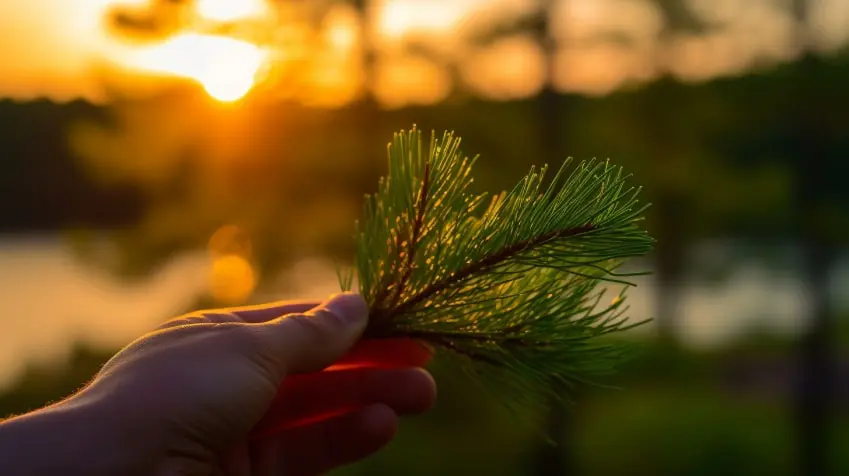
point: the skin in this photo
(187, 399)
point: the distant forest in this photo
(786, 119)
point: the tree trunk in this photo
(816, 383)
(816, 363)
(814, 394)
(553, 459)
(668, 265)
(367, 110)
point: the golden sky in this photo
(49, 47)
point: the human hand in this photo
(186, 398)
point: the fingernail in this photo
(349, 307)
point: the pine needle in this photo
(508, 284)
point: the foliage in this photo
(510, 287)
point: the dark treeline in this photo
(761, 156)
(735, 132)
(43, 186)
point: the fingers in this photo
(236, 461)
(307, 398)
(315, 449)
(386, 353)
(267, 312)
(248, 314)
(311, 341)
(406, 391)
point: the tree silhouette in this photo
(553, 122)
(812, 154)
(665, 151)
(202, 166)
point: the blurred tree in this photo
(813, 154)
(802, 132)
(664, 150)
(202, 165)
(552, 122)
(801, 135)
(41, 186)
(367, 108)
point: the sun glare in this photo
(229, 10)
(226, 68)
(398, 17)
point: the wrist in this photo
(78, 436)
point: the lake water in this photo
(49, 299)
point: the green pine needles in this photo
(509, 284)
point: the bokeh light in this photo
(232, 277)
(230, 10)
(226, 68)
(132, 130)
(232, 280)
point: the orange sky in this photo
(47, 54)
(49, 46)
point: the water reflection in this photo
(49, 300)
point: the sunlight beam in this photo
(226, 68)
(229, 10)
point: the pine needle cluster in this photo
(509, 284)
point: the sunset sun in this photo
(229, 10)
(225, 67)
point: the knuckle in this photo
(245, 337)
(218, 318)
(329, 321)
(179, 322)
(314, 325)
(231, 338)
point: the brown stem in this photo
(483, 265)
(412, 243)
(501, 338)
(470, 353)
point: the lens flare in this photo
(232, 279)
(227, 68)
(229, 10)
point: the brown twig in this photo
(483, 265)
(412, 243)
(470, 353)
(498, 338)
(386, 285)
(394, 281)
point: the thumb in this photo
(311, 341)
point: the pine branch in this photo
(487, 263)
(413, 241)
(513, 287)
